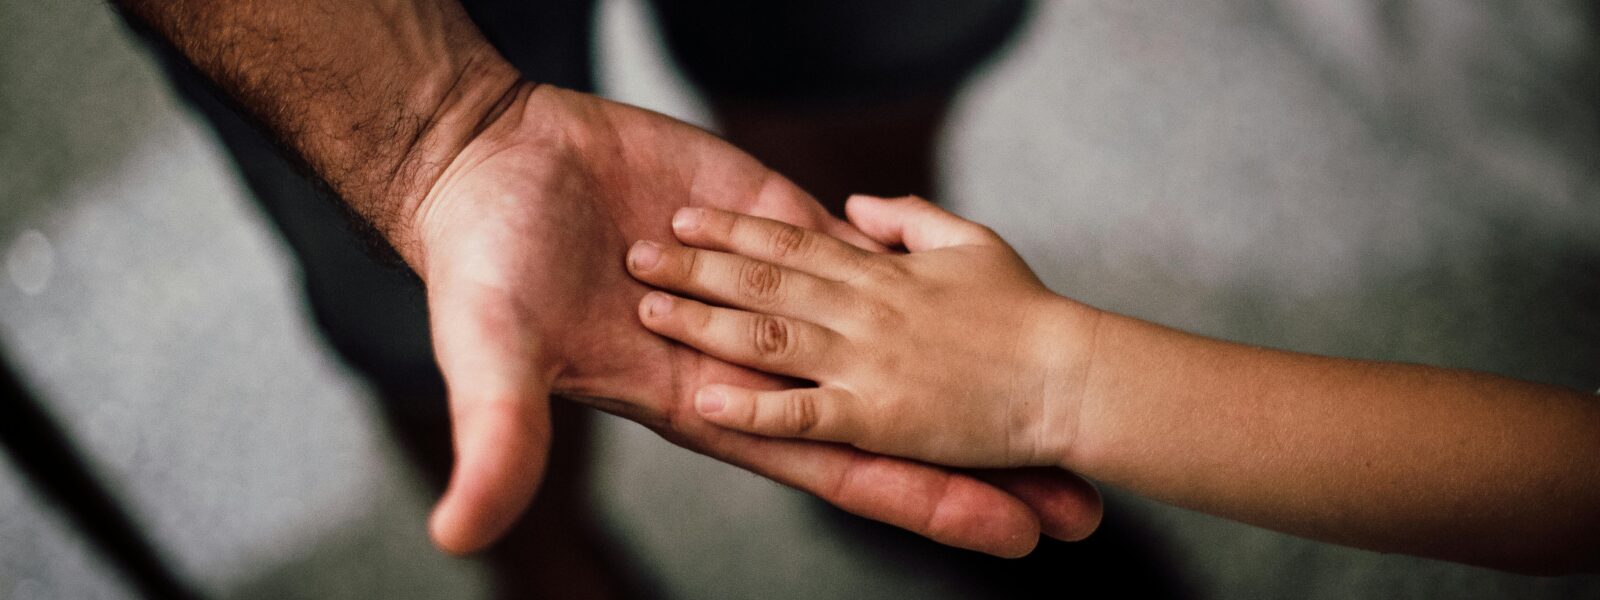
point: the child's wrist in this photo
(1067, 355)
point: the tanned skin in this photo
(514, 202)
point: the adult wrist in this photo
(373, 96)
(462, 102)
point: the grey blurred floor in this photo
(1415, 180)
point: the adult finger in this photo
(1069, 507)
(948, 507)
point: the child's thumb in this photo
(914, 223)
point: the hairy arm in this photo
(513, 204)
(375, 96)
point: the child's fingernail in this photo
(688, 219)
(710, 401)
(645, 255)
(657, 304)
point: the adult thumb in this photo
(499, 394)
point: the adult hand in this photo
(516, 207)
(521, 243)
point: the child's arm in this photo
(956, 354)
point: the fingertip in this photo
(447, 533)
(711, 400)
(979, 517)
(643, 256)
(1073, 515)
(461, 525)
(1077, 529)
(1024, 537)
(1079, 532)
(1018, 546)
(654, 307)
(688, 220)
(726, 406)
(501, 446)
(1069, 507)
(866, 214)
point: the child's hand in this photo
(954, 353)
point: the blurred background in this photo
(1405, 180)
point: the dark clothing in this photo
(790, 53)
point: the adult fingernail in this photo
(710, 401)
(657, 304)
(645, 255)
(688, 219)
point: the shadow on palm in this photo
(522, 245)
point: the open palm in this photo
(521, 244)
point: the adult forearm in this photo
(1392, 457)
(374, 96)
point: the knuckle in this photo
(895, 269)
(759, 281)
(878, 270)
(854, 264)
(879, 318)
(800, 413)
(689, 265)
(788, 241)
(705, 321)
(772, 337)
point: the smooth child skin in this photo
(512, 201)
(864, 326)
(956, 354)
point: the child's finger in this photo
(765, 342)
(770, 241)
(914, 223)
(736, 281)
(822, 413)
